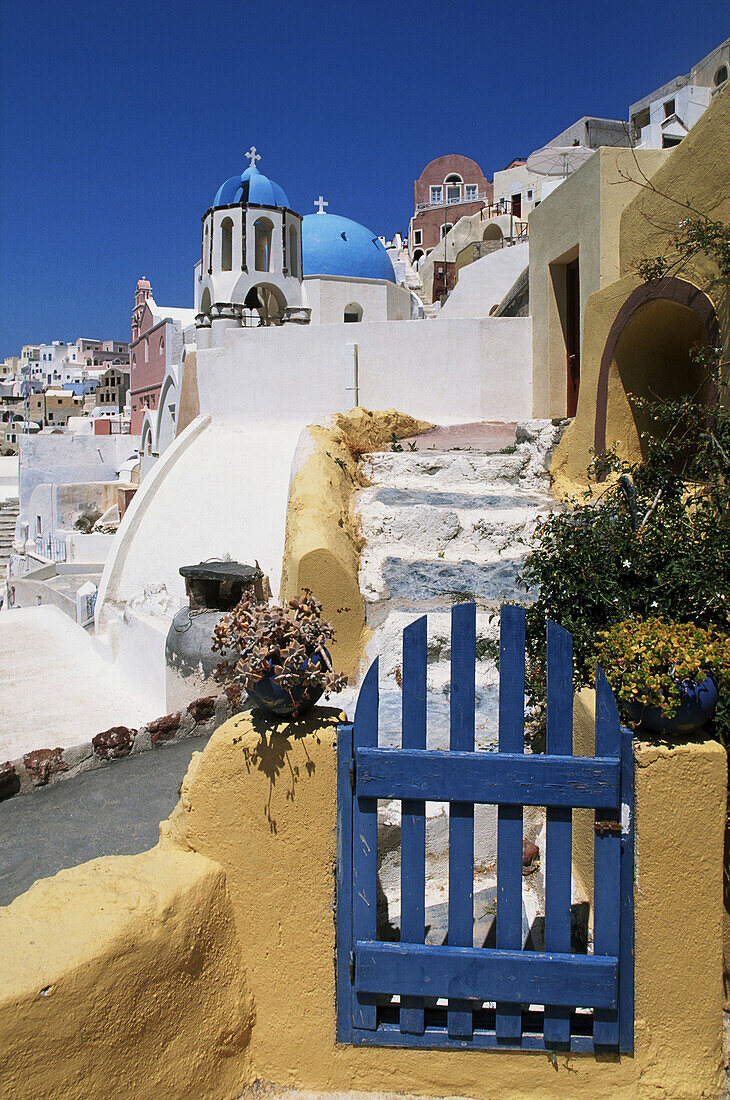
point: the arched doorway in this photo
(647, 354)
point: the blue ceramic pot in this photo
(697, 707)
(281, 702)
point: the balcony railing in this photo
(480, 196)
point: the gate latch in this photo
(608, 828)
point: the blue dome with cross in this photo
(251, 186)
(332, 245)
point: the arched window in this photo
(721, 76)
(417, 255)
(262, 244)
(226, 245)
(353, 313)
(293, 252)
(453, 187)
(205, 301)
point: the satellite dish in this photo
(558, 160)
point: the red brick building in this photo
(447, 189)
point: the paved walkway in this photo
(115, 810)
(55, 688)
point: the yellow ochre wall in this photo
(169, 980)
(698, 171)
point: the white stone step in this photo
(396, 468)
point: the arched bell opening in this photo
(265, 302)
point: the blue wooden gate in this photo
(410, 993)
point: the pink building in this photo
(157, 344)
(447, 189)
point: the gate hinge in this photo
(352, 774)
(351, 966)
(605, 828)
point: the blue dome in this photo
(332, 245)
(251, 186)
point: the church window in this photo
(262, 244)
(436, 194)
(226, 244)
(293, 252)
(353, 313)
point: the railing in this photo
(480, 196)
(51, 548)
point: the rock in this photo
(165, 728)
(202, 709)
(530, 853)
(113, 743)
(42, 764)
(9, 781)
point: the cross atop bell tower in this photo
(253, 156)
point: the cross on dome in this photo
(253, 156)
(320, 203)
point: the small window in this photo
(721, 76)
(529, 194)
(436, 194)
(353, 313)
(162, 343)
(445, 228)
(453, 178)
(417, 236)
(668, 108)
(471, 191)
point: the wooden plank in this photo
(493, 778)
(508, 1019)
(413, 813)
(461, 813)
(485, 974)
(345, 941)
(438, 1039)
(559, 823)
(607, 864)
(365, 841)
(626, 954)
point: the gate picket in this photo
(461, 814)
(365, 843)
(508, 1022)
(607, 862)
(559, 821)
(413, 814)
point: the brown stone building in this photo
(111, 393)
(448, 188)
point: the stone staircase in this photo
(445, 527)
(8, 519)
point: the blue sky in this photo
(120, 120)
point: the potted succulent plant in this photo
(666, 675)
(278, 655)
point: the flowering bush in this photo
(647, 661)
(287, 644)
(651, 541)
